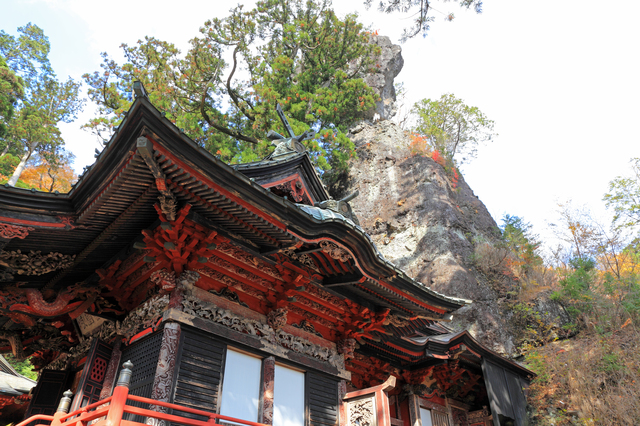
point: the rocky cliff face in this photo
(426, 226)
(438, 231)
(389, 63)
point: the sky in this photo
(560, 78)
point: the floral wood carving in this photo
(145, 316)
(318, 307)
(397, 321)
(239, 272)
(277, 318)
(75, 353)
(312, 317)
(225, 279)
(211, 312)
(326, 296)
(188, 279)
(361, 412)
(13, 231)
(308, 327)
(229, 294)
(34, 262)
(334, 251)
(302, 258)
(241, 255)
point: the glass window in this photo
(425, 416)
(241, 386)
(288, 399)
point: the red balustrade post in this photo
(119, 397)
(63, 408)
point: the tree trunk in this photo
(18, 171)
(5, 150)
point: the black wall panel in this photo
(199, 372)
(322, 399)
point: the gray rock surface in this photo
(388, 65)
(427, 227)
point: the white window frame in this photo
(230, 386)
(283, 368)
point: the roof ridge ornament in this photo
(284, 145)
(139, 90)
(341, 206)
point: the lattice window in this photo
(144, 356)
(98, 370)
(440, 419)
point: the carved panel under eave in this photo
(34, 262)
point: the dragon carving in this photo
(38, 306)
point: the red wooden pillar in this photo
(268, 374)
(163, 381)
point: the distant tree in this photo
(45, 176)
(23, 367)
(294, 52)
(8, 164)
(452, 127)
(33, 128)
(519, 237)
(10, 90)
(624, 198)
(421, 11)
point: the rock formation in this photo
(431, 227)
(388, 65)
(425, 226)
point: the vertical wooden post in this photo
(163, 381)
(268, 375)
(63, 408)
(342, 405)
(112, 369)
(120, 394)
(414, 410)
(449, 411)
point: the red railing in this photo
(109, 411)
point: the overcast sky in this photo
(558, 77)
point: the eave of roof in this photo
(300, 221)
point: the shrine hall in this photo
(168, 287)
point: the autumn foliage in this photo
(48, 178)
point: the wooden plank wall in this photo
(199, 374)
(322, 399)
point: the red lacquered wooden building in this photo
(240, 291)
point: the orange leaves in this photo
(418, 144)
(438, 158)
(45, 177)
